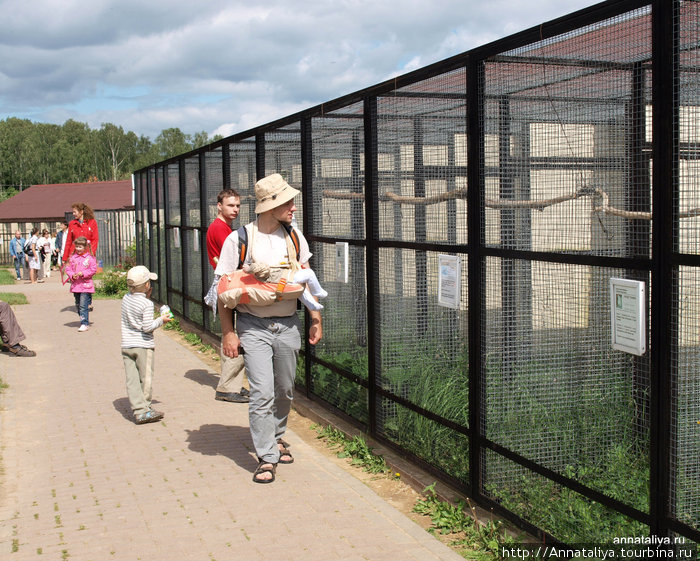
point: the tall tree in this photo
(119, 149)
(171, 142)
(16, 152)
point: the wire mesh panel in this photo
(242, 176)
(160, 287)
(344, 344)
(214, 174)
(566, 155)
(424, 361)
(556, 391)
(685, 426)
(283, 156)
(152, 231)
(214, 183)
(338, 202)
(685, 436)
(173, 229)
(193, 194)
(142, 215)
(194, 304)
(554, 508)
(338, 153)
(421, 131)
(194, 242)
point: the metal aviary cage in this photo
(486, 203)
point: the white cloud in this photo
(197, 65)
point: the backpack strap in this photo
(243, 246)
(292, 233)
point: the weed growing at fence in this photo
(192, 339)
(471, 538)
(355, 449)
(341, 392)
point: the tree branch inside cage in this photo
(601, 201)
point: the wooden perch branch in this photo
(594, 192)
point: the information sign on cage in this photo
(449, 281)
(341, 261)
(628, 315)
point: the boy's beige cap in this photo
(139, 275)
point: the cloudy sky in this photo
(224, 66)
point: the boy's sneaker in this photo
(150, 416)
(83, 327)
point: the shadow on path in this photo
(232, 442)
(203, 377)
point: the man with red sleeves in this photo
(228, 204)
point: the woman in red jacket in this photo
(84, 224)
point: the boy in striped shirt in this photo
(138, 345)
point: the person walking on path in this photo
(17, 253)
(11, 332)
(228, 204)
(83, 224)
(138, 344)
(269, 336)
(60, 240)
(34, 257)
(81, 267)
(47, 245)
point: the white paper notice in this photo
(628, 316)
(449, 281)
(341, 261)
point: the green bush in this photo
(112, 284)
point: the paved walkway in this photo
(80, 481)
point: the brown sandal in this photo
(284, 451)
(260, 470)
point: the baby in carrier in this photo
(306, 277)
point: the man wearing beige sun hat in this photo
(268, 336)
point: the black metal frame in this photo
(661, 264)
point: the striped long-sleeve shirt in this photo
(138, 323)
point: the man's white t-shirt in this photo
(270, 249)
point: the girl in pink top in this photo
(81, 267)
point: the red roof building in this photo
(46, 206)
(49, 203)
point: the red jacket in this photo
(88, 228)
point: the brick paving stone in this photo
(81, 481)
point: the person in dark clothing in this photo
(11, 332)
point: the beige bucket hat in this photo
(273, 191)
